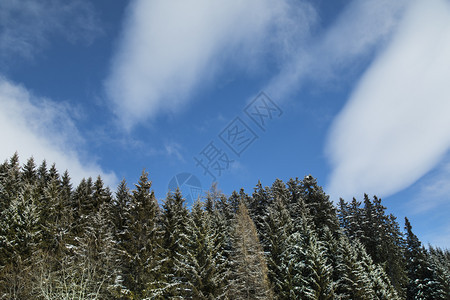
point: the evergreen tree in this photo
(320, 208)
(29, 172)
(202, 272)
(439, 261)
(380, 284)
(140, 241)
(119, 213)
(277, 227)
(258, 205)
(421, 282)
(11, 183)
(317, 272)
(175, 251)
(353, 281)
(282, 242)
(19, 238)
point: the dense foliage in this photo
(287, 241)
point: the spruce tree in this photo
(353, 281)
(202, 272)
(20, 237)
(140, 241)
(421, 281)
(320, 208)
(277, 227)
(175, 248)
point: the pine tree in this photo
(296, 204)
(440, 264)
(380, 284)
(421, 282)
(11, 182)
(82, 206)
(29, 172)
(19, 238)
(379, 233)
(203, 275)
(317, 272)
(320, 208)
(53, 214)
(249, 278)
(175, 248)
(277, 227)
(258, 205)
(140, 240)
(353, 281)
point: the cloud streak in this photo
(359, 30)
(396, 126)
(43, 129)
(27, 25)
(169, 47)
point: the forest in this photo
(285, 241)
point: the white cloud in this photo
(359, 30)
(27, 25)
(396, 125)
(43, 129)
(168, 48)
(433, 191)
(174, 149)
(439, 237)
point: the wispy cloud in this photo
(432, 192)
(396, 126)
(41, 128)
(169, 47)
(26, 26)
(174, 149)
(358, 32)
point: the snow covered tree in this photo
(439, 262)
(10, 180)
(29, 172)
(19, 237)
(139, 241)
(204, 255)
(175, 249)
(317, 272)
(353, 281)
(380, 284)
(320, 208)
(421, 281)
(258, 205)
(379, 233)
(277, 227)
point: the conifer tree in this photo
(140, 241)
(380, 284)
(277, 227)
(10, 181)
(320, 208)
(175, 247)
(440, 264)
(203, 275)
(421, 282)
(249, 279)
(19, 238)
(317, 272)
(258, 205)
(29, 172)
(353, 281)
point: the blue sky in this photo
(354, 93)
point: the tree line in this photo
(286, 241)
